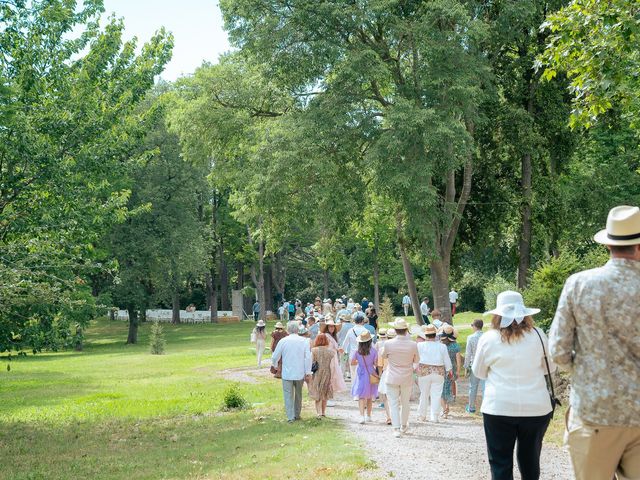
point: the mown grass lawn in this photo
(115, 411)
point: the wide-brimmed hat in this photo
(279, 325)
(364, 337)
(430, 329)
(302, 331)
(623, 227)
(260, 323)
(391, 333)
(327, 323)
(510, 306)
(345, 318)
(449, 331)
(382, 333)
(399, 324)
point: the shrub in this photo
(549, 278)
(386, 311)
(156, 339)
(233, 399)
(493, 288)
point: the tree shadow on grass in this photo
(246, 445)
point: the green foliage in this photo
(596, 44)
(471, 291)
(68, 110)
(549, 278)
(157, 342)
(386, 311)
(493, 287)
(233, 399)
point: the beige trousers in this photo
(599, 451)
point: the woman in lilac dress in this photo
(366, 358)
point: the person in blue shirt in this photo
(256, 311)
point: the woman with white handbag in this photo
(258, 336)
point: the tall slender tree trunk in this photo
(175, 307)
(325, 280)
(376, 279)
(132, 337)
(411, 281)
(257, 275)
(208, 283)
(213, 299)
(225, 302)
(268, 288)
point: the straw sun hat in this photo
(279, 326)
(327, 323)
(400, 324)
(510, 306)
(364, 337)
(623, 227)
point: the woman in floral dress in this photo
(330, 330)
(448, 337)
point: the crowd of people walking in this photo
(510, 365)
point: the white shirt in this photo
(515, 371)
(350, 306)
(406, 300)
(296, 357)
(434, 353)
(351, 339)
(453, 296)
(424, 308)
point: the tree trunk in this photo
(440, 288)
(225, 303)
(209, 284)
(268, 288)
(133, 325)
(325, 280)
(257, 275)
(175, 307)
(213, 301)
(376, 279)
(278, 274)
(411, 282)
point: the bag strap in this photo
(546, 361)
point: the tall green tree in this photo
(68, 112)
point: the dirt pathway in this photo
(451, 450)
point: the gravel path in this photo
(425, 450)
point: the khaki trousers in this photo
(599, 451)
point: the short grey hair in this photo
(292, 327)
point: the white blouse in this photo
(514, 372)
(434, 353)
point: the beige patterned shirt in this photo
(596, 335)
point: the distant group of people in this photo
(595, 335)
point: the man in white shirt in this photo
(406, 303)
(296, 365)
(453, 300)
(350, 342)
(424, 310)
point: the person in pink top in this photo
(401, 353)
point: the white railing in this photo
(199, 316)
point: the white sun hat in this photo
(510, 306)
(623, 227)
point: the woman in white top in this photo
(260, 335)
(434, 362)
(516, 406)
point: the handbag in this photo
(552, 394)
(314, 366)
(253, 337)
(374, 378)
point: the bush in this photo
(549, 278)
(156, 339)
(233, 399)
(493, 288)
(471, 290)
(386, 313)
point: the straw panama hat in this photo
(399, 323)
(382, 333)
(279, 325)
(364, 337)
(510, 306)
(260, 323)
(429, 330)
(449, 330)
(391, 333)
(623, 227)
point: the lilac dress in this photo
(361, 387)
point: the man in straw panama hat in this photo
(596, 336)
(401, 353)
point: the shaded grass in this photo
(115, 411)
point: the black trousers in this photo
(425, 319)
(502, 433)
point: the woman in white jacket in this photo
(516, 406)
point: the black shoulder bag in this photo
(552, 394)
